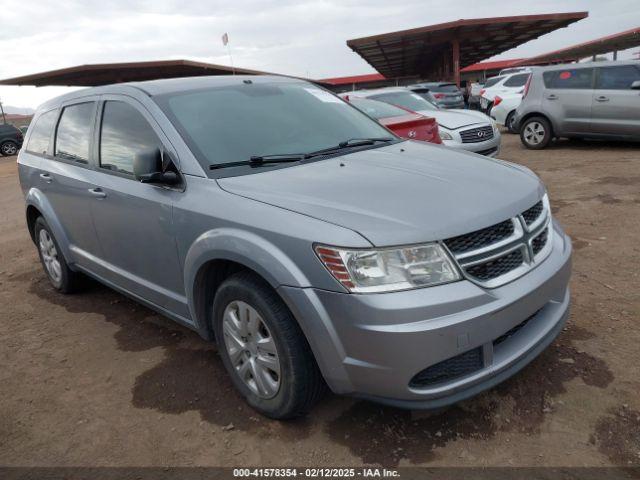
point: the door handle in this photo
(602, 98)
(552, 97)
(46, 177)
(97, 192)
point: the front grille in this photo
(510, 333)
(449, 369)
(497, 267)
(538, 243)
(480, 238)
(532, 214)
(475, 135)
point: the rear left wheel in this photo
(55, 266)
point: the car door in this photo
(616, 106)
(134, 220)
(66, 171)
(567, 99)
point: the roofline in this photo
(469, 22)
(589, 43)
(147, 64)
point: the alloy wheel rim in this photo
(9, 149)
(50, 256)
(534, 133)
(251, 349)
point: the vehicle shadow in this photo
(191, 377)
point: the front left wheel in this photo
(263, 348)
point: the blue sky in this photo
(305, 38)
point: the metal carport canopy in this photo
(612, 43)
(109, 73)
(439, 51)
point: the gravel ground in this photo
(96, 380)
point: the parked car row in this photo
(462, 129)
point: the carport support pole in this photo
(455, 46)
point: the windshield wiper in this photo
(352, 142)
(258, 160)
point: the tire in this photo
(62, 278)
(509, 122)
(9, 148)
(277, 341)
(535, 133)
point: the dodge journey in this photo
(315, 247)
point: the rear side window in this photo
(446, 88)
(493, 81)
(73, 136)
(376, 109)
(517, 80)
(577, 78)
(124, 133)
(41, 133)
(617, 78)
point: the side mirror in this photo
(151, 166)
(635, 85)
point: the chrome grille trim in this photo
(522, 239)
(476, 135)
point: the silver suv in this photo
(595, 100)
(314, 246)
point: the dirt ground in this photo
(96, 380)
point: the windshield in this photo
(236, 122)
(407, 99)
(493, 81)
(377, 109)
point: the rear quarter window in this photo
(576, 78)
(517, 80)
(41, 133)
(493, 81)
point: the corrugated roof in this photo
(108, 73)
(492, 65)
(421, 51)
(618, 41)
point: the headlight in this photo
(387, 270)
(445, 136)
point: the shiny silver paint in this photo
(589, 112)
(154, 244)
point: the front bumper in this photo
(372, 345)
(490, 148)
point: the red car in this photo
(404, 123)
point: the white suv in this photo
(502, 85)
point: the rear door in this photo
(134, 220)
(567, 99)
(66, 173)
(616, 107)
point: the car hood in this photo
(454, 119)
(405, 193)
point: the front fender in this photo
(37, 199)
(242, 247)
